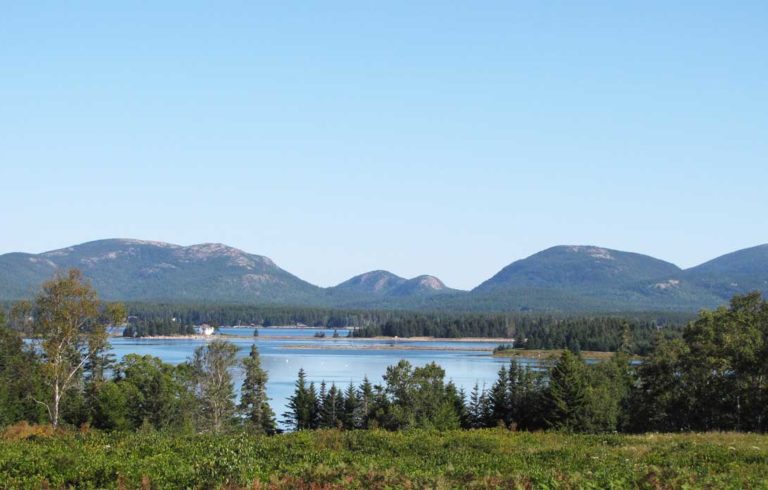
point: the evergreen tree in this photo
(366, 404)
(254, 403)
(153, 394)
(301, 405)
(475, 412)
(20, 379)
(315, 406)
(332, 407)
(566, 395)
(351, 418)
(499, 398)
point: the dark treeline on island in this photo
(600, 333)
(264, 316)
(711, 377)
(530, 331)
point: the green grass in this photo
(377, 459)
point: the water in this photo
(340, 360)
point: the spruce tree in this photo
(329, 412)
(301, 405)
(567, 401)
(499, 400)
(351, 407)
(365, 406)
(254, 403)
(475, 419)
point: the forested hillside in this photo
(574, 279)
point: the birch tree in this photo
(66, 319)
(215, 391)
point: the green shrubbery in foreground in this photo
(379, 459)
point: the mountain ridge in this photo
(559, 278)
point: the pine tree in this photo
(351, 407)
(365, 406)
(499, 399)
(254, 403)
(567, 394)
(301, 405)
(330, 415)
(475, 417)
(314, 406)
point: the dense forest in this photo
(712, 377)
(265, 316)
(530, 331)
(602, 333)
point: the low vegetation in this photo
(377, 459)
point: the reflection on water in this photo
(340, 360)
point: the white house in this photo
(204, 329)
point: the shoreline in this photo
(387, 347)
(326, 338)
(396, 343)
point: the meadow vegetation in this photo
(377, 459)
(75, 417)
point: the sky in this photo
(444, 138)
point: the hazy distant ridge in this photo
(564, 278)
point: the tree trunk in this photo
(56, 398)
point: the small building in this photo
(204, 329)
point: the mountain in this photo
(382, 288)
(579, 267)
(573, 278)
(734, 273)
(422, 286)
(589, 278)
(138, 270)
(376, 283)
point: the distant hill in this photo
(141, 270)
(733, 273)
(589, 278)
(382, 288)
(564, 278)
(585, 267)
(138, 270)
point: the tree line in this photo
(601, 333)
(67, 376)
(531, 331)
(711, 377)
(264, 316)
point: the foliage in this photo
(303, 409)
(529, 331)
(715, 377)
(211, 367)
(20, 379)
(70, 325)
(377, 460)
(254, 403)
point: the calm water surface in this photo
(340, 360)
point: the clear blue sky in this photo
(442, 138)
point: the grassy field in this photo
(378, 460)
